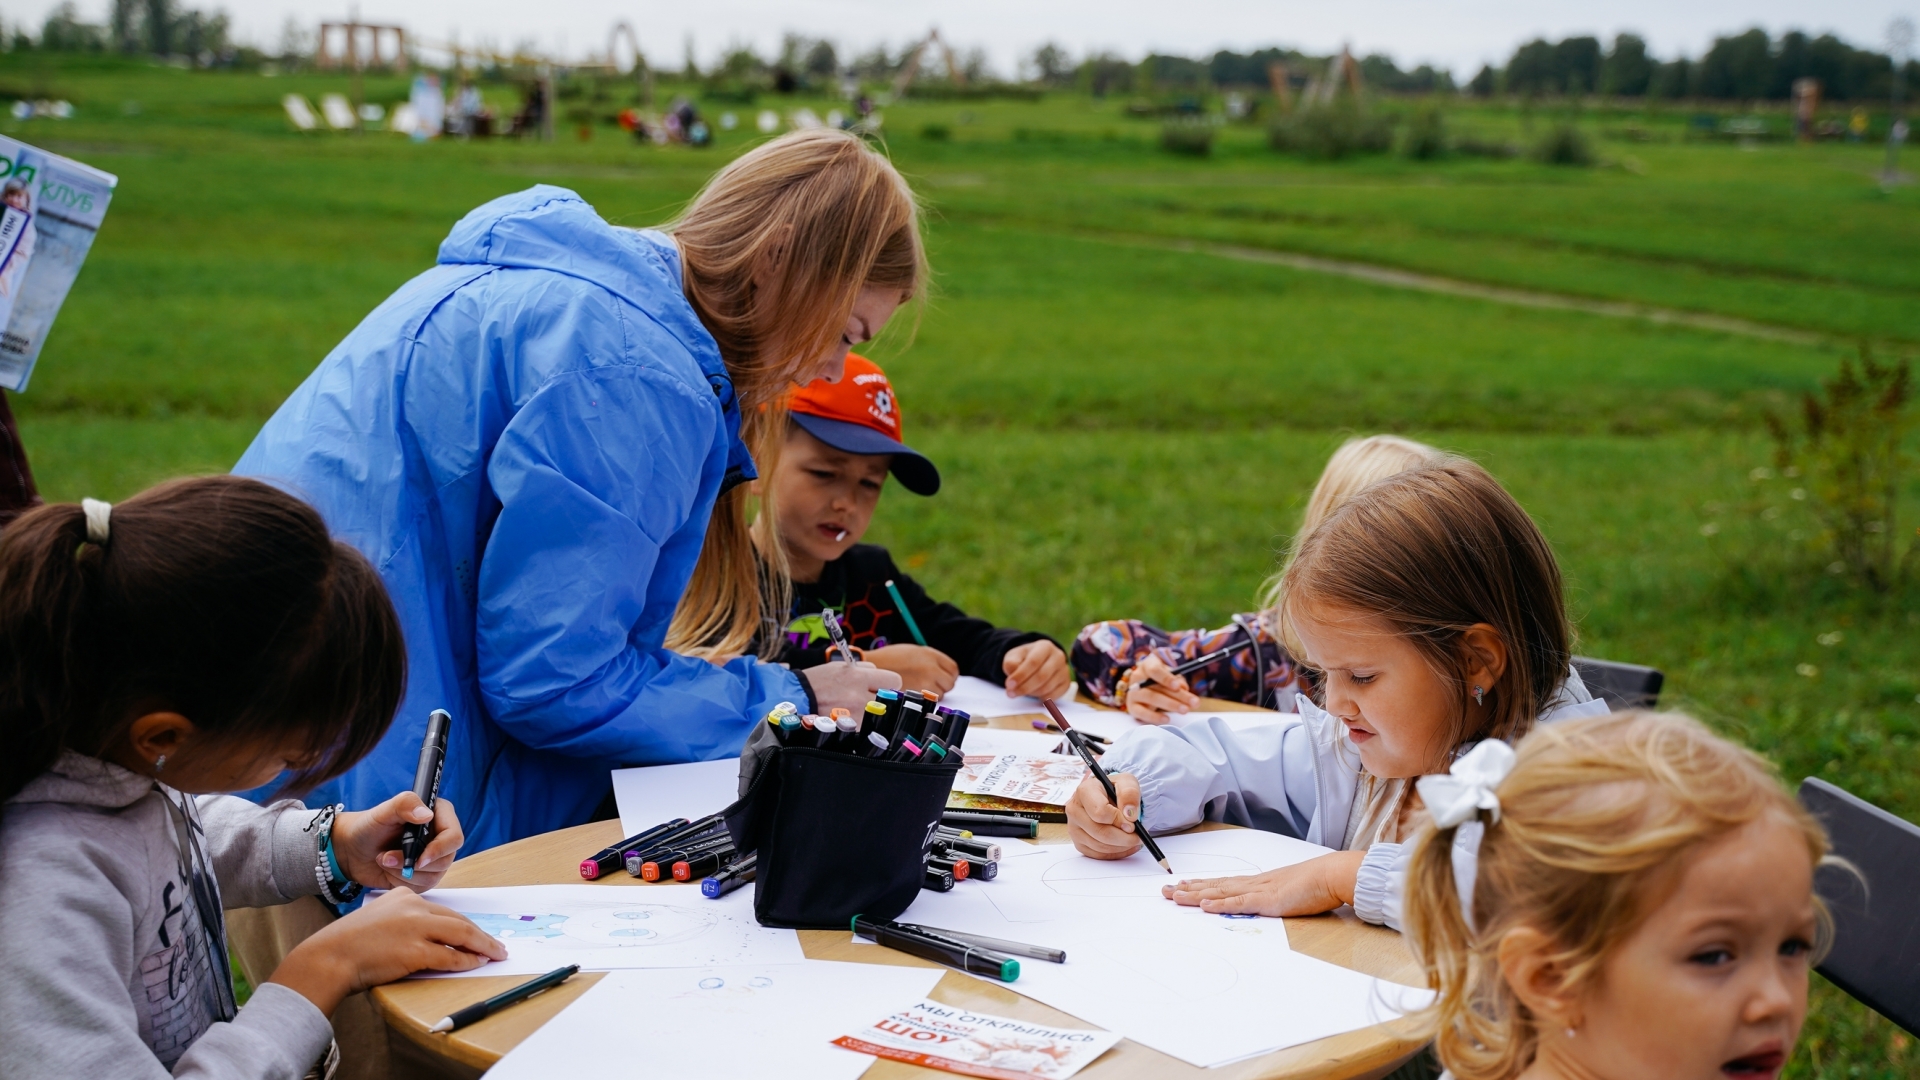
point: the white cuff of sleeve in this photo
(1379, 891)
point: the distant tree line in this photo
(1748, 66)
(134, 27)
(1106, 73)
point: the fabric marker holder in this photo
(837, 835)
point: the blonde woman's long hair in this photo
(776, 249)
(1597, 818)
(1358, 464)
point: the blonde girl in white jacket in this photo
(1432, 608)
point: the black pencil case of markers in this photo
(838, 835)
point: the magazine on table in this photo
(51, 208)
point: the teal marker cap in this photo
(1010, 971)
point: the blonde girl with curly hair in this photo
(1633, 899)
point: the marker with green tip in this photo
(968, 958)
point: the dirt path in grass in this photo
(1407, 279)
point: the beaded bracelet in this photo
(336, 887)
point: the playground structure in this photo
(1324, 89)
(911, 68)
(351, 34)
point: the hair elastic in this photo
(98, 514)
(1455, 799)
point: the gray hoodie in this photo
(108, 971)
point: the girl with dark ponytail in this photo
(203, 637)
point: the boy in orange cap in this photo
(843, 439)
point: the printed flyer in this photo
(952, 1039)
(1036, 778)
(50, 211)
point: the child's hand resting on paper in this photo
(1307, 888)
(367, 843)
(1168, 694)
(390, 937)
(919, 667)
(1037, 669)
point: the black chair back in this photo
(1622, 686)
(1876, 913)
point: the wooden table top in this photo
(554, 859)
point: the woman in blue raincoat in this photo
(541, 443)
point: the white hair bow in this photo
(1463, 791)
(99, 520)
(1455, 799)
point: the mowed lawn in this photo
(1127, 430)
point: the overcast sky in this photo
(1456, 34)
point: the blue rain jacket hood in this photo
(527, 442)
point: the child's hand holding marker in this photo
(847, 686)
(1152, 691)
(367, 843)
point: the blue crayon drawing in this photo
(520, 926)
(611, 925)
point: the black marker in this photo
(730, 878)
(992, 824)
(957, 727)
(604, 860)
(480, 1010)
(979, 849)
(1037, 952)
(659, 865)
(968, 958)
(839, 636)
(426, 784)
(979, 867)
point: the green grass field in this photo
(1128, 430)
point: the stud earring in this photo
(1569, 1033)
(1479, 696)
(159, 763)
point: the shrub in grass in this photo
(1187, 137)
(936, 133)
(1332, 131)
(1563, 144)
(1426, 136)
(1848, 457)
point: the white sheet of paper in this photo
(1053, 881)
(655, 793)
(985, 740)
(605, 928)
(776, 1020)
(1113, 724)
(1207, 989)
(1237, 720)
(981, 698)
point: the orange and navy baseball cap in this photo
(860, 415)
